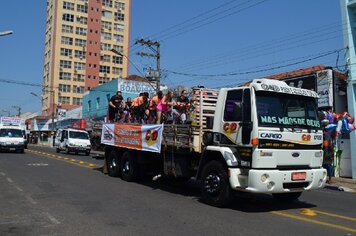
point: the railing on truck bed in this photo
(190, 136)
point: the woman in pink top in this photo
(165, 104)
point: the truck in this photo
(264, 137)
(12, 135)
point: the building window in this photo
(82, 20)
(117, 60)
(65, 64)
(105, 47)
(77, 101)
(103, 80)
(118, 38)
(89, 105)
(79, 66)
(78, 89)
(120, 6)
(79, 54)
(65, 88)
(65, 75)
(79, 77)
(68, 17)
(64, 100)
(67, 29)
(119, 16)
(107, 14)
(117, 71)
(67, 40)
(68, 6)
(106, 36)
(81, 31)
(105, 58)
(119, 48)
(82, 8)
(106, 25)
(107, 3)
(119, 27)
(104, 69)
(66, 52)
(80, 42)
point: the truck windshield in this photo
(10, 133)
(78, 135)
(286, 110)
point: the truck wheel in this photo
(57, 150)
(215, 187)
(87, 153)
(129, 167)
(113, 164)
(287, 197)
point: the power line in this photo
(256, 71)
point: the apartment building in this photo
(77, 56)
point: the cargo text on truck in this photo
(261, 138)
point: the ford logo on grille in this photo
(295, 154)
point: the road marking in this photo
(2, 173)
(30, 199)
(314, 221)
(66, 159)
(335, 215)
(37, 164)
(10, 180)
(52, 218)
(18, 188)
(308, 212)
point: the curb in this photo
(339, 188)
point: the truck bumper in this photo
(78, 149)
(276, 181)
(12, 147)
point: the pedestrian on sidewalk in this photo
(328, 155)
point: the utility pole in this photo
(156, 54)
(18, 110)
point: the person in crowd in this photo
(164, 106)
(139, 106)
(328, 155)
(127, 109)
(182, 104)
(116, 105)
(153, 107)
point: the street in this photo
(48, 193)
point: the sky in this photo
(203, 42)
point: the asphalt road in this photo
(45, 193)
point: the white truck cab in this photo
(73, 140)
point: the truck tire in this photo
(87, 153)
(57, 150)
(113, 164)
(215, 187)
(129, 167)
(287, 197)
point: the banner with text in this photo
(139, 137)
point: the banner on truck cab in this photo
(139, 137)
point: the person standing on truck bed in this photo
(182, 105)
(139, 107)
(164, 106)
(153, 107)
(116, 105)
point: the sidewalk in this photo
(342, 184)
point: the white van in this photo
(11, 139)
(73, 140)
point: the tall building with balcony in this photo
(77, 56)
